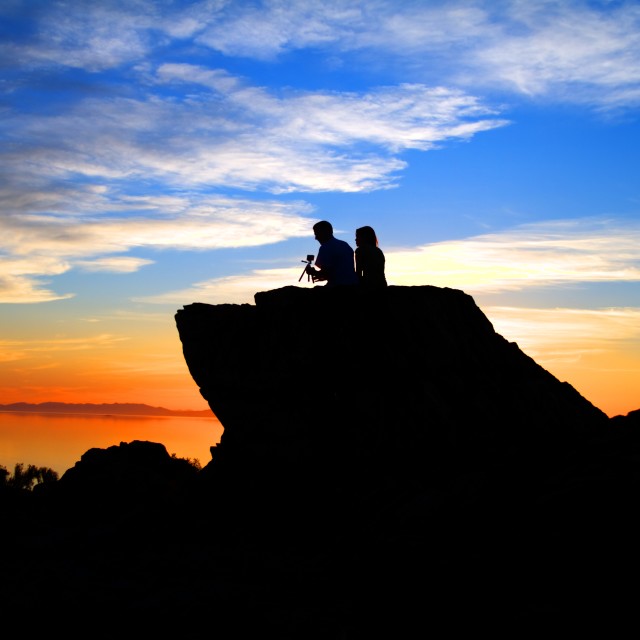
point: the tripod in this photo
(305, 270)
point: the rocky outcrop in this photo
(410, 377)
(415, 463)
(133, 475)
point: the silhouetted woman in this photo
(369, 259)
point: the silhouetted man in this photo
(335, 261)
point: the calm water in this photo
(58, 441)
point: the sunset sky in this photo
(159, 153)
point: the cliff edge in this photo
(415, 375)
(412, 460)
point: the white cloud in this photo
(562, 336)
(223, 133)
(26, 290)
(548, 254)
(206, 224)
(88, 35)
(21, 278)
(567, 49)
(16, 350)
(551, 254)
(572, 50)
(230, 290)
(265, 29)
(37, 246)
(113, 264)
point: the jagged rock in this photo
(409, 375)
(428, 464)
(137, 474)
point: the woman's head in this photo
(366, 235)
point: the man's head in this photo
(323, 230)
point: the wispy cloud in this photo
(221, 133)
(567, 49)
(16, 350)
(114, 264)
(573, 50)
(43, 246)
(21, 278)
(233, 290)
(85, 35)
(565, 336)
(550, 254)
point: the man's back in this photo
(335, 259)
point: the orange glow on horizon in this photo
(140, 360)
(58, 441)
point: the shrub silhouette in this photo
(194, 462)
(26, 478)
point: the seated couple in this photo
(338, 264)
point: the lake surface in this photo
(58, 441)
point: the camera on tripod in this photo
(309, 260)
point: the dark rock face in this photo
(427, 469)
(135, 474)
(414, 372)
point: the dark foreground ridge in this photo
(389, 465)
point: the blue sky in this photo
(156, 154)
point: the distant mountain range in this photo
(117, 408)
